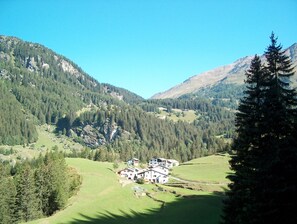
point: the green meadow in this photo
(212, 168)
(47, 140)
(178, 115)
(102, 199)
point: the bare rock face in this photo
(4, 56)
(90, 136)
(233, 73)
(94, 136)
(31, 64)
(67, 67)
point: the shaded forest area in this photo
(35, 189)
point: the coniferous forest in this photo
(43, 87)
(263, 185)
(39, 87)
(35, 189)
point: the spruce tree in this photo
(238, 206)
(7, 197)
(26, 197)
(276, 191)
(263, 185)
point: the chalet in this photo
(133, 162)
(161, 169)
(153, 175)
(169, 163)
(172, 162)
(157, 171)
(157, 161)
(129, 173)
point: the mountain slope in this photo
(228, 74)
(17, 56)
(42, 86)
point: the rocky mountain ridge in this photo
(233, 73)
(37, 58)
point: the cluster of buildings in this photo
(157, 171)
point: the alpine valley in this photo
(52, 112)
(39, 86)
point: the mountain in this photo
(33, 58)
(233, 74)
(39, 86)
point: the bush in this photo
(140, 181)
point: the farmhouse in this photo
(129, 173)
(157, 171)
(153, 175)
(172, 162)
(157, 161)
(161, 169)
(169, 163)
(133, 162)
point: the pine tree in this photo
(7, 197)
(263, 186)
(276, 190)
(56, 184)
(26, 197)
(238, 206)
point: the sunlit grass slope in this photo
(101, 199)
(100, 193)
(209, 169)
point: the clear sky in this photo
(148, 46)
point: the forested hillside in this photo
(34, 189)
(11, 112)
(39, 86)
(37, 81)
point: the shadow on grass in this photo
(202, 209)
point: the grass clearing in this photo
(46, 140)
(212, 168)
(178, 115)
(101, 199)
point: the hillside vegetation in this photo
(231, 74)
(102, 199)
(210, 169)
(43, 87)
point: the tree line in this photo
(35, 189)
(17, 126)
(32, 82)
(144, 134)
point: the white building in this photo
(153, 175)
(129, 173)
(157, 161)
(172, 162)
(169, 163)
(157, 172)
(161, 169)
(133, 162)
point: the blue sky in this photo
(148, 46)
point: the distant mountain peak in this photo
(233, 73)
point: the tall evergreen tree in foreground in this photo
(248, 122)
(263, 186)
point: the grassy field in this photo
(206, 169)
(102, 199)
(46, 140)
(178, 115)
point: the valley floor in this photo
(102, 199)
